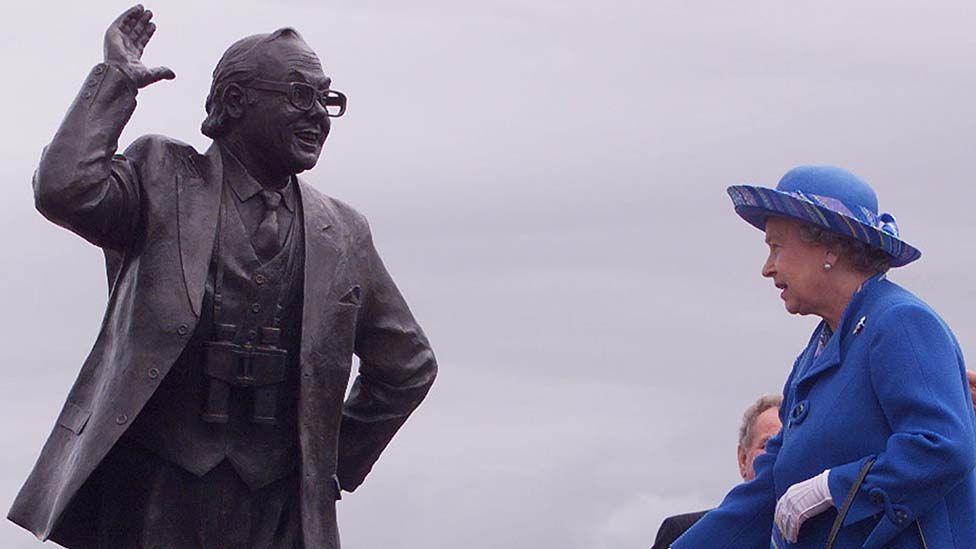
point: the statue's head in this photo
(270, 96)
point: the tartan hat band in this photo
(850, 208)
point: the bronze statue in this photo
(210, 411)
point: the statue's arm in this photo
(397, 369)
(80, 183)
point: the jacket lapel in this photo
(322, 255)
(851, 323)
(828, 358)
(198, 204)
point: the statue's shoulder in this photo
(157, 147)
(342, 214)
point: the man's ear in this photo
(742, 461)
(234, 98)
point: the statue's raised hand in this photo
(125, 39)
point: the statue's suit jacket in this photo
(154, 212)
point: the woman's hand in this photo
(803, 500)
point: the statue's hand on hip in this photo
(125, 40)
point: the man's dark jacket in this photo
(154, 212)
(672, 528)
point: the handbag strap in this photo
(848, 501)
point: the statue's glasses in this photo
(303, 95)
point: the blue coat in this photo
(890, 384)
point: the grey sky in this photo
(546, 182)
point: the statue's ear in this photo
(234, 98)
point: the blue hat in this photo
(829, 197)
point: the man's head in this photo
(759, 424)
(255, 103)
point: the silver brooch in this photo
(859, 327)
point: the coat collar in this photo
(198, 206)
(322, 249)
(830, 356)
(245, 187)
(323, 257)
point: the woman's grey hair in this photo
(747, 430)
(238, 65)
(859, 255)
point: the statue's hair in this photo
(237, 66)
(747, 429)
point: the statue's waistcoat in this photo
(251, 294)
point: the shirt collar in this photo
(246, 187)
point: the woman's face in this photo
(796, 267)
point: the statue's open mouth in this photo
(308, 136)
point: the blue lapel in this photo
(830, 357)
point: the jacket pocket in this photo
(73, 417)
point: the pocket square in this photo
(352, 296)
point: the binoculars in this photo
(259, 367)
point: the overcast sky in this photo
(546, 182)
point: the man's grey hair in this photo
(748, 428)
(238, 65)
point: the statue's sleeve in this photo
(80, 183)
(397, 368)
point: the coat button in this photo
(256, 308)
(153, 373)
(92, 82)
(121, 419)
(86, 95)
(99, 69)
(799, 412)
(260, 279)
(183, 329)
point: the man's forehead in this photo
(290, 59)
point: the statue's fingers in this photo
(146, 35)
(140, 25)
(160, 73)
(129, 17)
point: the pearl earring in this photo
(827, 266)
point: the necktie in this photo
(266, 237)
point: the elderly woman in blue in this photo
(878, 444)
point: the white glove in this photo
(804, 500)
